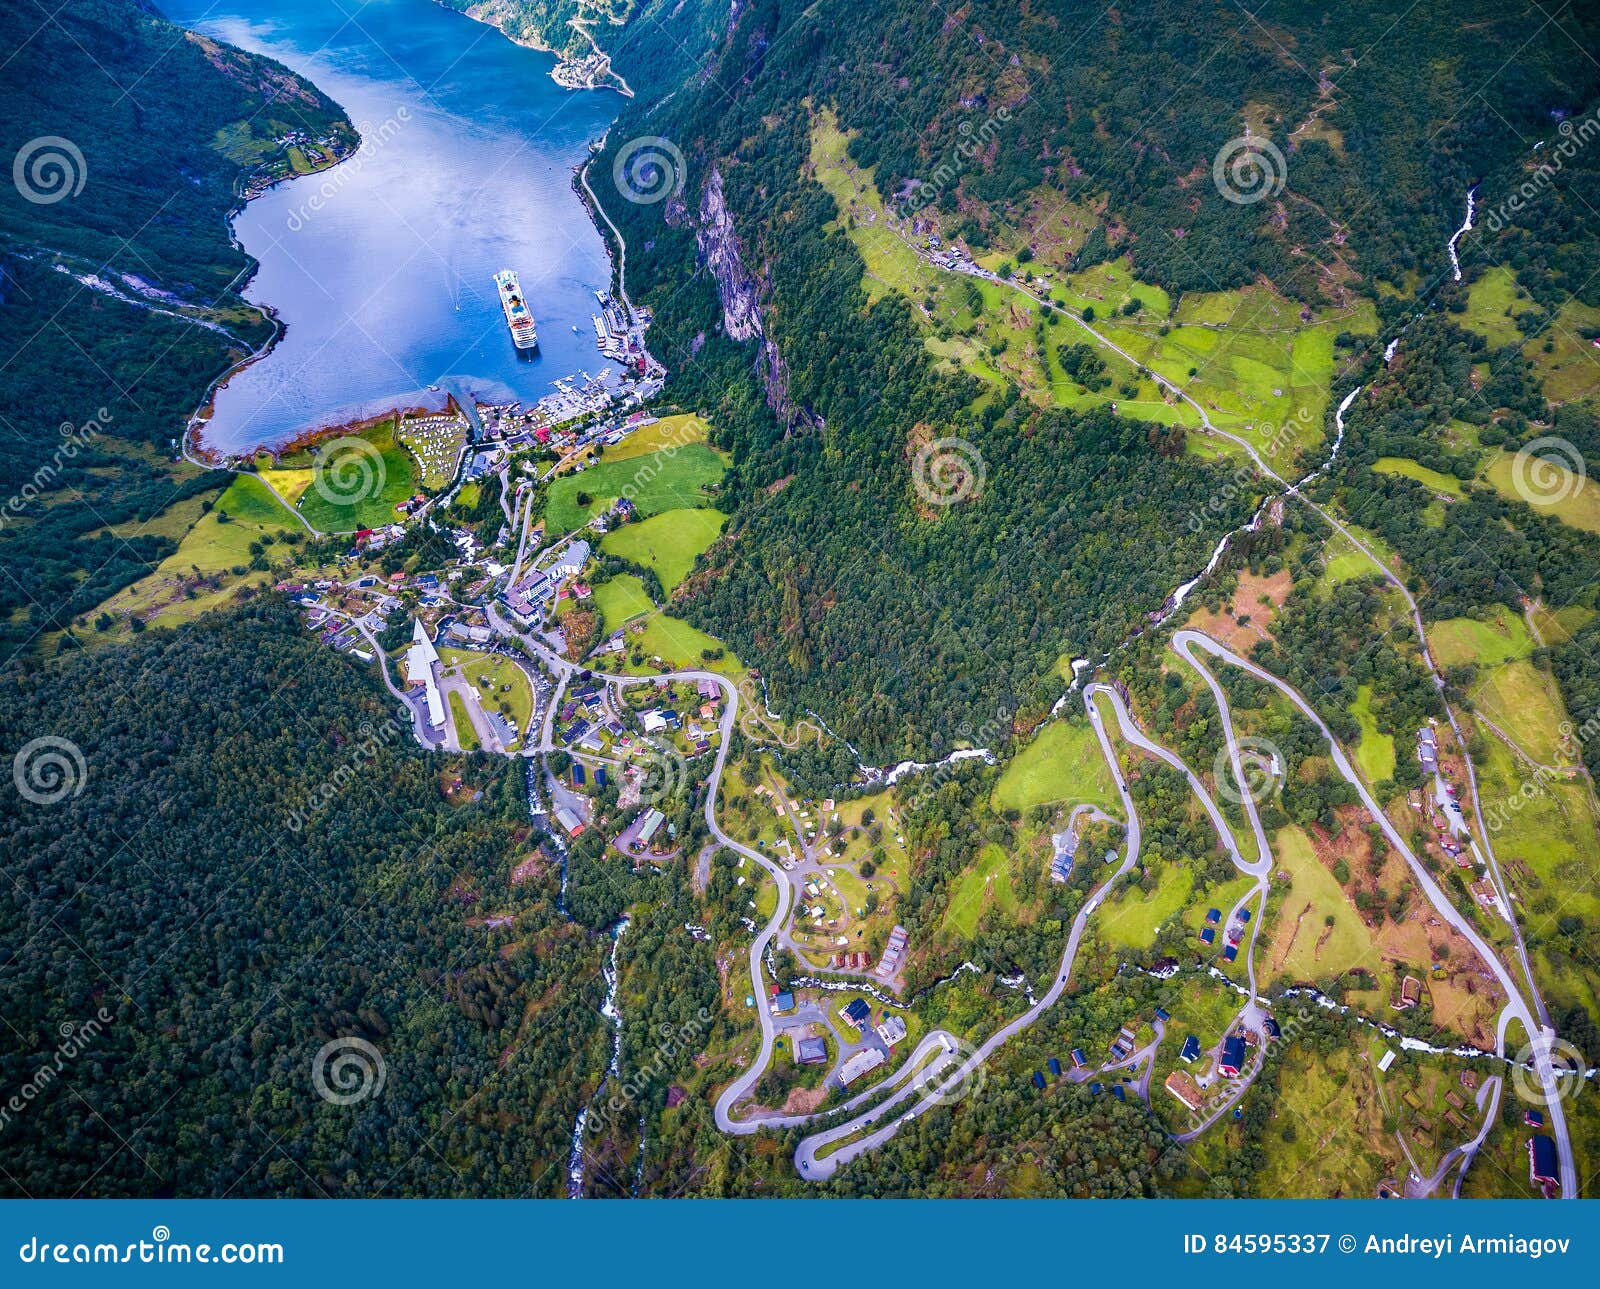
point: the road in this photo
(1185, 643)
(923, 1093)
(955, 1083)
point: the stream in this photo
(1466, 227)
(577, 1160)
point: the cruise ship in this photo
(524, 334)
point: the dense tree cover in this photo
(1484, 548)
(165, 125)
(828, 577)
(260, 862)
(943, 624)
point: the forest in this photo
(228, 914)
(97, 387)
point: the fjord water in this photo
(381, 267)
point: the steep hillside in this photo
(1176, 178)
(118, 280)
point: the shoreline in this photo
(192, 445)
(567, 70)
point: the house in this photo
(783, 1002)
(811, 1051)
(892, 1030)
(1410, 994)
(1190, 1051)
(1483, 891)
(1078, 1058)
(856, 1012)
(1230, 952)
(569, 821)
(1244, 915)
(1231, 1059)
(1182, 1086)
(647, 831)
(1542, 1173)
(1208, 935)
(1213, 916)
(868, 1058)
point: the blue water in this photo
(381, 267)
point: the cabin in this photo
(1182, 1086)
(1542, 1169)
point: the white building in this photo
(421, 659)
(868, 1058)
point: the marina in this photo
(382, 269)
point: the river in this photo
(381, 267)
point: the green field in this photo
(669, 542)
(1493, 306)
(1064, 765)
(1572, 498)
(620, 599)
(1502, 638)
(1523, 702)
(1303, 946)
(676, 479)
(1445, 483)
(1375, 753)
(465, 734)
(357, 482)
(986, 884)
(216, 545)
(1132, 918)
(667, 432)
(680, 645)
(497, 679)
